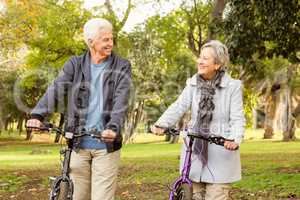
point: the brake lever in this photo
(219, 140)
(96, 134)
(170, 131)
(38, 128)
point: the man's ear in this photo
(90, 41)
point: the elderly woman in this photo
(216, 104)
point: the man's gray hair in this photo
(221, 52)
(93, 26)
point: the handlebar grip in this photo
(170, 131)
(39, 128)
(45, 127)
(165, 129)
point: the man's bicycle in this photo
(62, 186)
(182, 188)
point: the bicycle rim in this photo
(184, 192)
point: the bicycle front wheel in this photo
(184, 192)
(63, 191)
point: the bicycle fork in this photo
(63, 180)
(184, 178)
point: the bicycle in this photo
(62, 187)
(181, 188)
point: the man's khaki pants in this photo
(94, 174)
(209, 191)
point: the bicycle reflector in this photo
(69, 135)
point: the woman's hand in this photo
(157, 131)
(230, 145)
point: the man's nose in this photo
(199, 61)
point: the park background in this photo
(162, 39)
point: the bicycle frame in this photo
(184, 178)
(55, 188)
(64, 177)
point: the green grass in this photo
(271, 169)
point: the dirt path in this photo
(36, 188)
(33, 189)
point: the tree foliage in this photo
(264, 28)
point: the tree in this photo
(36, 36)
(197, 18)
(216, 18)
(160, 70)
(117, 23)
(258, 30)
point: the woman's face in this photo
(206, 63)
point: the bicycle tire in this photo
(63, 191)
(184, 192)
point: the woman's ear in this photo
(217, 67)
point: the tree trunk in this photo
(290, 124)
(216, 18)
(270, 107)
(296, 112)
(254, 119)
(11, 127)
(6, 123)
(20, 124)
(1, 125)
(28, 134)
(61, 120)
(289, 119)
(287, 122)
(133, 120)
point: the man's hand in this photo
(157, 131)
(230, 145)
(108, 135)
(34, 123)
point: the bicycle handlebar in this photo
(68, 135)
(216, 139)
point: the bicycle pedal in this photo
(62, 151)
(52, 178)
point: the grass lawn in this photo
(271, 169)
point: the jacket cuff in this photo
(37, 116)
(114, 127)
(238, 140)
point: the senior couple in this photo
(97, 85)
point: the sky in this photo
(140, 13)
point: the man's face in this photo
(103, 43)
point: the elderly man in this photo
(97, 84)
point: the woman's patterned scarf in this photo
(205, 112)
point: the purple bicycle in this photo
(182, 187)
